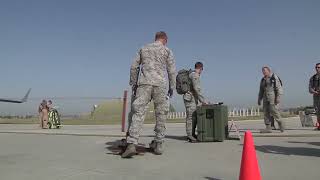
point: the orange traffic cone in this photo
(249, 164)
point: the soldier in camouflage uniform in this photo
(154, 60)
(314, 88)
(192, 99)
(270, 92)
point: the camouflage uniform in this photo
(268, 93)
(314, 86)
(154, 60)
(191, 100)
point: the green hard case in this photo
(212, 123)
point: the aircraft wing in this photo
(24, 99)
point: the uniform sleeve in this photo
(261, 91)
(279, 88)
(311, 86)
(171, 70)
(197, 87)
(134, 70)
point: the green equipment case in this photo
(212, 123)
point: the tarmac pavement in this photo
(91, 152)
(173, 129)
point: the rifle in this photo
(133, 97)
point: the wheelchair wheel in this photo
(49, 125)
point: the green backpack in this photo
(183, 81)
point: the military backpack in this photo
(183, 81)
(274, 81)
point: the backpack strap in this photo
(274, 81)
(190, 80)
(261, 91)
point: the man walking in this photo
(270, 93)
(154, 60)
(314, 89)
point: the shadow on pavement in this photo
(297, 151)
(179, 138)
(311, 143)
(118, 147)
(287, 129)
(210, 178)
(184, 138)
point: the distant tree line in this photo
(16, 117)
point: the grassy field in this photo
(110, 112)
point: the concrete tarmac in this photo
(33, 156)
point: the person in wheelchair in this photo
(54, 117)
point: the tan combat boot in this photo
(192, 139)
(156, 147)
(130, 151)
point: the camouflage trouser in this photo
(271, 111)
(146, 93)
(191, 107)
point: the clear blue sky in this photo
(85, 48)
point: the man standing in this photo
(314, 88)
(192, 99)
(154, 60)
(43, 114)
(270, 92)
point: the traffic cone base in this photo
(249, 169)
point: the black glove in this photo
(170, 92)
